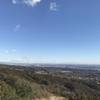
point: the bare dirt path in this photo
(53, 98)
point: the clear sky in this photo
(50, 31)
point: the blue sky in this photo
(50, 31)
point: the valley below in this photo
(19, 82)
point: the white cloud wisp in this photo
(17, 27)
(31, 3)
(53, 6)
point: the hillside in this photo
(24, 83)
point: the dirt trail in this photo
(53, 98)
